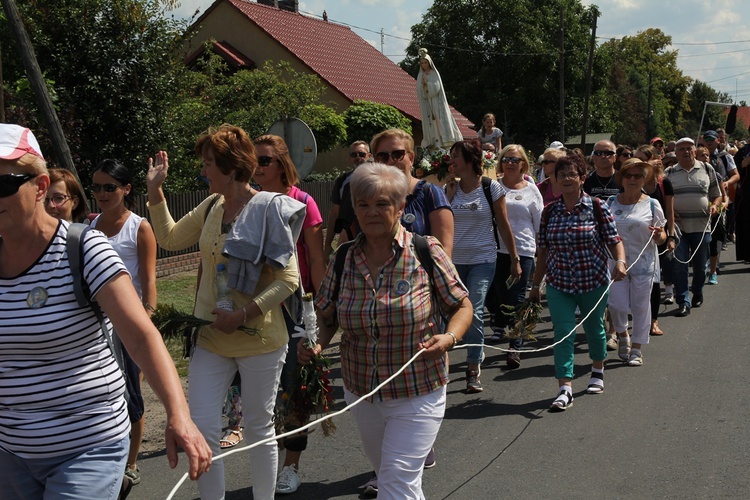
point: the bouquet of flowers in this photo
(489, 164)
(310, 391)
(431, 162)
(525, 318)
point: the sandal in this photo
(623, 347)
(656, 331)
(596, 383)
(563, 401)
(231, 438)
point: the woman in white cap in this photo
(62, 408)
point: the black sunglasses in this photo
(108, 188)
(627, 155)
(10, 183)
(547, 162)
(264, 161)
(354, 154)
(396, 155)
(508, 159)
(604, 153)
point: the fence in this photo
(182, 203)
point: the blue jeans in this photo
(688, 244)
(96, 473)
(477, 278)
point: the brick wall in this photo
(177, 264)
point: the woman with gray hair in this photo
(389, 307)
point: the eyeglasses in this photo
(547, 162)
(108, 188)
(355, 154)
(633, 176)
(568, 175)
(264, 161)
(10, 183)
(56, 199)
(396, 155)
(604, 153)
(515, 161)
(627, 155)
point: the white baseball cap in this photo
(16, 141)
(556, 145)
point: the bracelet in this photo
(620, 260)
(455, 340)
(535, 286)
(244, 315)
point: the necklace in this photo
(226, 226)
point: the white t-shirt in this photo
(473, 241)
(524, 207)
(632, 222)
(61, 391)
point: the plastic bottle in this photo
(223, 295)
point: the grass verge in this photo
(178, 290)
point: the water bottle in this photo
(223, 295)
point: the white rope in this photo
(304, 427)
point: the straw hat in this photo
(632, 163)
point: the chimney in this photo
(290, 5)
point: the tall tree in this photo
(643, 72)
(503, 57)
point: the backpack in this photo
(486, 183)
(74, 247)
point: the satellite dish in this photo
(300, 141)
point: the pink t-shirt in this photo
(312, 218)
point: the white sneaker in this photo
(288, 480)
(669, 299)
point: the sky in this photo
(712, 36)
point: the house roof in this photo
(231, 55)
(340, 57)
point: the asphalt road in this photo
(677, 427)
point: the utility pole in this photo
(382, 41)
(562, 74)
(649, 131)
(594, 15)
(2, 88)
(59, 145)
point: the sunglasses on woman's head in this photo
(264, 161)
(10, 183)
(396, 155)
(108, 188)
(507, 159)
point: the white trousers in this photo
(396, 437)
(209, 378)
(633, 294)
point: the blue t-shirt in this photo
(419, 204)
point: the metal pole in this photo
(562, 75)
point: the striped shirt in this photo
(473, 241)
(61, 391)
(385, 317)
(575, 243)
(694, 190)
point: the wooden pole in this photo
(594, 15)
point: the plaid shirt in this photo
(385, 317)
(576, 244)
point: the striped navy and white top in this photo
(61, 391)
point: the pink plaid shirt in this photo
(385, 317)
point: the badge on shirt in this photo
(618, 212)
(519, 197)
(37, 297)
(584, 217)
(402, 287)
(473, 207)
(409, 218)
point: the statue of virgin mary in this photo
(439, 129)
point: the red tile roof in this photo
(342, 59)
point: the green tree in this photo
(251, 99)
(503, 57)
(638, 66)
(700, 93)
(364, 119)
(113, 76)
